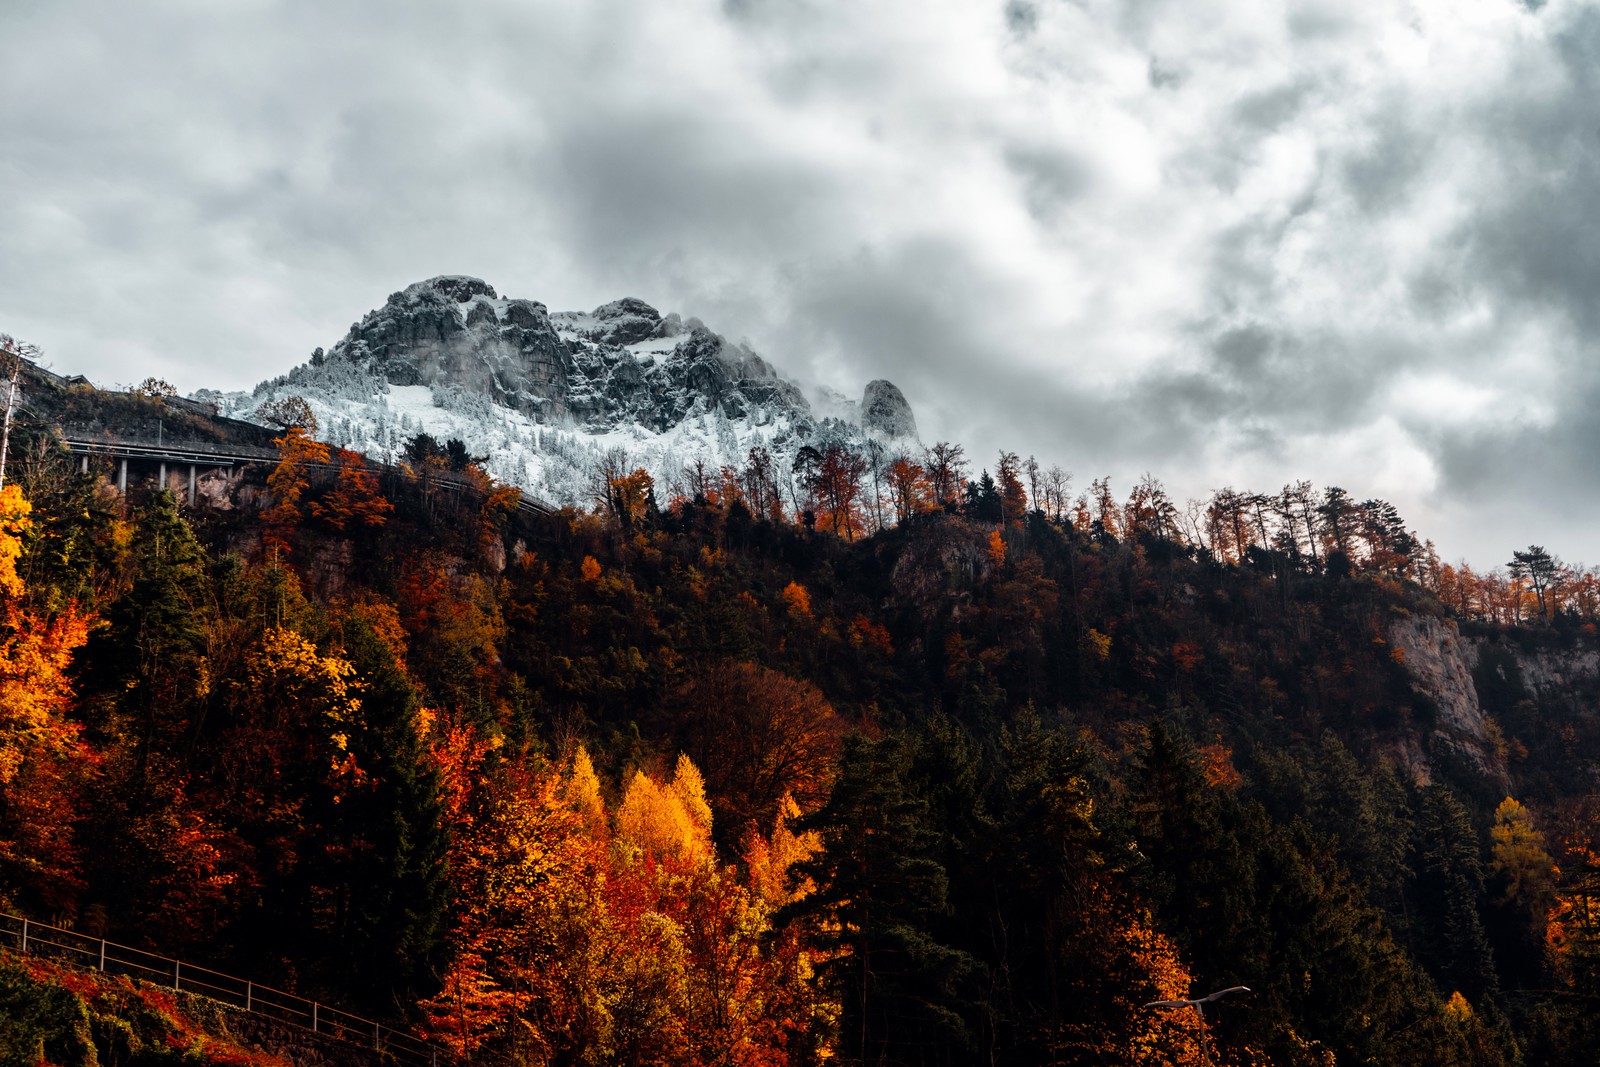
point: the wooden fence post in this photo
(247, 1006)
(24, 933)
(102, 955)
(176, 966)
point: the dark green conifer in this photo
(1451, 940)
(879, 893)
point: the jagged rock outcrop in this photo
(885, 412)
(942, 561)
(1553, 671)
(627, 321)
(1440, 663)
(624, 362)
(455, 330)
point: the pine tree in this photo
(148, 664)
(879, 891)
(383, 857)
(1452, 943)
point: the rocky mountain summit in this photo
(885, 412)
(544, 395)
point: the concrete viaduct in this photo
(195, 459)
(189, 456)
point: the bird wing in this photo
(1170, 1004)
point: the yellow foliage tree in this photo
(688, 787)
(582, 789)
(657, 822)
(770, 858)
(14, 526)
(569, 951)
(300, 709)
(1518, 856)
(532, 966)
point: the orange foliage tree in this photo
(909, 492)
(797, 599)
(288, 482)
(1573, 922)
(355, 499)
(42, 754)
(833, 477)
(528, 905)
(1013, 497)
(631, 495)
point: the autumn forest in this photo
(885, 759)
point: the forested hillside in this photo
(949, 767)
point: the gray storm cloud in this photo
(1229, 243)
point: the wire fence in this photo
(108, 957)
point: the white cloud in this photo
(1224, 242)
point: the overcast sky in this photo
(1227, 242)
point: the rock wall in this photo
(1558, 671)
(885, 412)
(1440, 662)
(1448, 668)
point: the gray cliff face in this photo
(1479, 683)
(624, 362)
(455, 331)
(885, 413)
(1440, 662)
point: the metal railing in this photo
(180, 451)
(108, 957)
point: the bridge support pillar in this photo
(191, 484)
(122, 477)
(83, 465)
(163, 479)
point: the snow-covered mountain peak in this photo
(546, 395)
